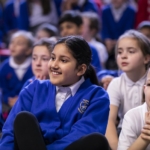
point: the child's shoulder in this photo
(119, 79)
(106, 8)
(4, 63)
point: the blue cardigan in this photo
(9, 82)
(88, 6)
(73, 120)
(112, 29)
(12, 22)
(95, 59)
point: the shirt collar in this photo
(73, 88)
(24, 65)
(140, 82)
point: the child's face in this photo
(40, 59)
(147, 91)
(129, 56)
(19, 46)
(146, 32)
(62, 67)
(86, 29)
(117, 3)
(42, 34)
(69, 28)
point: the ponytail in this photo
(90, 73)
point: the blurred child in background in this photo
(144, 27)
(47, 31)
(17, 69)
(70, 23)
(91, 33)
(133, 57)
(40, 58)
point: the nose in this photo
(38, 62)
(124, 55)
(53, 64)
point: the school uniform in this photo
(13, 77)
(84, 112)
(133, 123)
(89, 5)
(101, 74)
(96, 63)
(101, 50)
(116, 22)
(1, 25)
(125, 94)
(16, 15)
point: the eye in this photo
(34, 58)
(119, 52)
(148, 84)
(45, 59)
(52, 58)
(131, 52)
(64, 60)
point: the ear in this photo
(147, 59)
(81, 69)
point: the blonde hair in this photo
(142, 41)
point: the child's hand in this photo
(41, 77)
(12, 101)
(106, 80)
(145, 134)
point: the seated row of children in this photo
(17, 69)
(125, 92)
(62, 112)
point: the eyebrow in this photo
(61, 56)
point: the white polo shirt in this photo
(133, 122)
(125, 94)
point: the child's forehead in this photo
(20, 38)
(68, 23)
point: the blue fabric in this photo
(12, 22)
(103, 73)
(29, 81)
(89, 6)
(112, 29)
(1, 119)
(9, 82)
(1, 25)
(73, 121)
(95, 59)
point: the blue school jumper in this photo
(9, 82)
(29, 81)
(13, 22)
(88, 6)
(105, 72)
(84, 113)
(1, 25)
(95, 59)
(112, 29)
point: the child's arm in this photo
(94, 119)
(115, 101)
(23, 103)
(144, 139)
(111, 132)
(129, 138)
